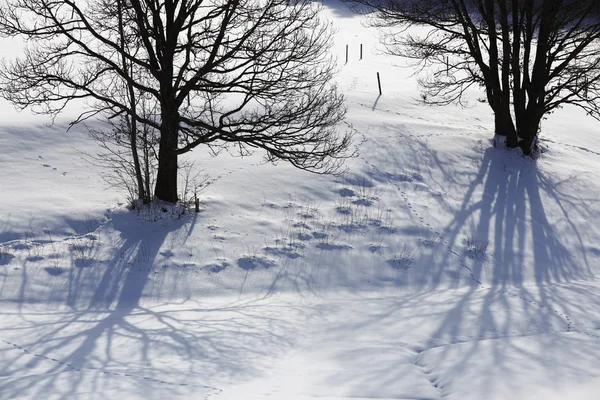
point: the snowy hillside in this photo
(435, 267)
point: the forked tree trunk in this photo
(505, 126)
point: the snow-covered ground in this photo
(436, 267)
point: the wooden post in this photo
(196, 203)
(379, 83)
(346, 54)
(361, 51)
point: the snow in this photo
(436, 267)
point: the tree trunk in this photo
(166, 177)
(147, 149)
(504, 125)
(527, 145)
(528, 134)
(136, 159)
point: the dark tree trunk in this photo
(536, 92)
(504, 125)
(142, 195)
(528, 133)
(527, 145)
(166, 178)
(147, 167)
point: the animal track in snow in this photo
(215, 391)
(570, 146)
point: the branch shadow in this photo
(119, 328)
(158, 352)
(103, 314)
(538, 266)
(531, 258)
(511, 215)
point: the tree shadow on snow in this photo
(532, 253)
(123, 350)
(536, 218)
(107, 331)
(511, 216)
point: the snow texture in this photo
(436, 267)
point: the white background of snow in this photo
(366, 303)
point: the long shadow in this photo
(201, 343)
(514, 323)
(113, 294)
(375, 104)
(510, 210)
(534, 221)
(511, 215)
(503, 199)
(528, 255)
(109, 337)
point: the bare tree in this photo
(129, 149)
(128, 154)
(251, 73)
(530, 56)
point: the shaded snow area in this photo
(435, 267)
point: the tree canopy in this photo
(252, 73)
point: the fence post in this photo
(361, 51)
(346, 54)
(379, 83)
